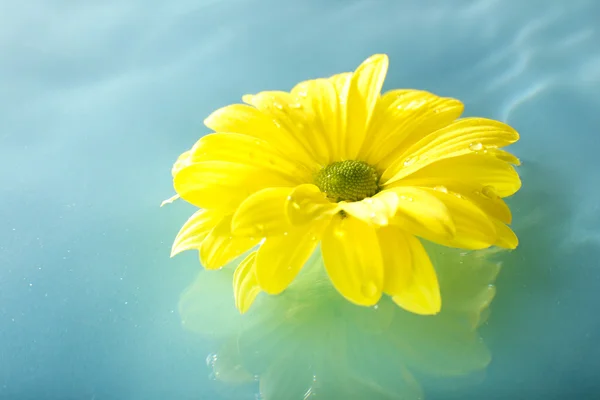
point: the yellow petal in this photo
(422, 294)
(248, 150)
(247, 120)
(374, 210)
(220, 246)
(280, 258)
(480, 195)
(363, 92)
(223, 185)
(182, 161)
(418, 210)
(474, 229)
(307, 203)
(320, 97)
(464, 136)
(245, 286)
(263, 214)
(195, 229)
(506, 237)
(397, 262)
(294, 123)
(337, 138)
(341, 83)
(473, 169)
(402, 117)
(353, 260)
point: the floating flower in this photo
(365, 175)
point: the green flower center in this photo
(348, 180)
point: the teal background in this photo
(98, 98)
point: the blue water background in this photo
(98, 98)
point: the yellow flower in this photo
(365, 175)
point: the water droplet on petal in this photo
(369, 289)
(278, 105)
(409, 161)
(295, 105)
(476, 146)
(277, 124)
(442, 189)
(489, 192)
(296, 205)
(368, 200)
(302, 93)
(376, 306)
(285, 234)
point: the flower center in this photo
(348, 180)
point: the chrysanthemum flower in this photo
(365, 176)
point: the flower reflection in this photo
(309, 342)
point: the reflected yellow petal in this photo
(280, 258)
(223, 185)
(195, 229)
(422, 294)
(402, 117)
(220, 246)
(464, 136)
(363, 92)
(353, 260)
(245, 285)
(263, 214)
(307, 203)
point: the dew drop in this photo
(285, 233)
(376, 307)
(302, 93)
(278, 105)
(368, 200)
(295, 205)
(277, 124)
(211, 359)
(476, 146)
(442, 189)
(295, 105)
(409, 161)
(489, 192)
(369, 289)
